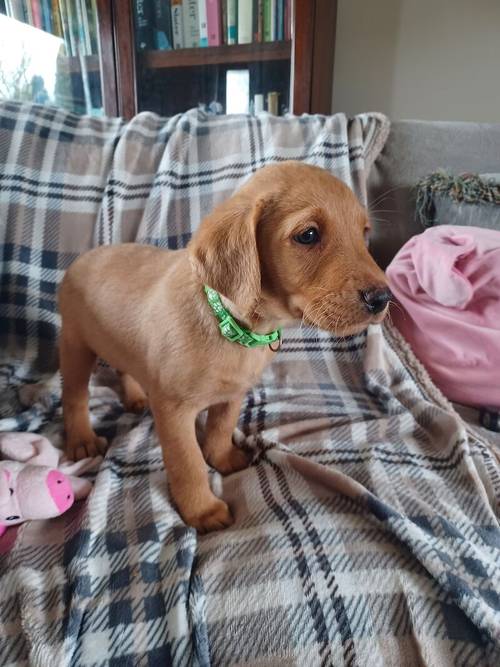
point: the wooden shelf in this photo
(72, 64)
(217, 55)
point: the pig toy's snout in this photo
(60, 490)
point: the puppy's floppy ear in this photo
(224, 251)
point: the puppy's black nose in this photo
(376, 299)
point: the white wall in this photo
(425, 59)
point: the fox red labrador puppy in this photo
(289, 245)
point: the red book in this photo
(36, 10)
(214, 22)
(288, 20)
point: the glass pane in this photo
(225, 56)
(49, 53)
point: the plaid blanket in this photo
(366, 527)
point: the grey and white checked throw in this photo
(366, 528)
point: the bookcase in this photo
(119, 57)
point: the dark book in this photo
(257, 20)
(144, 27)
(162, 25)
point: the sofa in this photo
(366, 527)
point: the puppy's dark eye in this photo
(307, 237)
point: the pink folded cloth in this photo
(448, 282)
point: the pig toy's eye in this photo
(11, 491)
(12, 518)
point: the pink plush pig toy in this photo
(32, 492)
(31, 486)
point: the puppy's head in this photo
(291, 244)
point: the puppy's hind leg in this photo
(77, 362)
(134, 396)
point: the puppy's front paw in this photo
(78, 448)
(230, 460)
(213, 516)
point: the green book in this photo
(268, 21)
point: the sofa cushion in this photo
(414, 149)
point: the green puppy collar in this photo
(233, 331)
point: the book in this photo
(202, 19)
(86, 28)
(36, 10)
(81, 48)
(93, 29)
(29, 12)
(266, 22)
(273, 20)
(56, 18)
(258, 20)
(72, 28)
(272, 103)
(223, 10)
(232, 30)
(191, 23)
(15, 10)
(143, 20)
(162, 25)
(258, 104)
(288, 20)
(280, 20)
(177, 24)
(65, 27)
(244, 22)
(46, 6)
(214, 23)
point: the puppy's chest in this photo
(237, 373)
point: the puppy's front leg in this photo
(218, 447)
(186, 469)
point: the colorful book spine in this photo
(202, 18)
(15, 10)
(37, 13)
(273, 20)
(214, 23)
(258, 20)
(244, 22)
(280, 20)
(223, 11)
(56, 19)
(46, 15)
(272, 103)
(232, 29)
(288, 20)
(86, 28)
(65, 27)
(143, 18)
(81, 41)
(73, 38)
(93, 27)
(267, 35)
(177, 24)
(29, 12)
(191, 23)
(162, 25)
